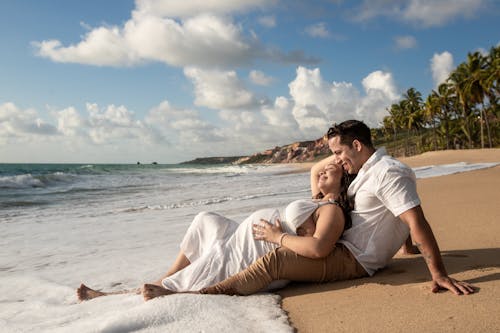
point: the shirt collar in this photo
(376, 156)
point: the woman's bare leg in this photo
(85, 293)
(180, 263)
(150, 291)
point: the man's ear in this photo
(357, 145)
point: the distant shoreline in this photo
(486, 155)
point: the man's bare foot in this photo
(150, 291)
(409, 249)
(84, 293)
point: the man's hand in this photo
(455, 286)
(424, 239)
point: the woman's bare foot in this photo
(84, 293)
(150, 291)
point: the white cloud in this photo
(267, 21)
(441, 67)
(318, 30)
(255, 131)
(177, 8)
(424, 13)
(115, 124)
(18, 123)
(111, 125)
(101, 47)
(202, 37)
(438, 12)
(380, 81)
(280, 115)
(205, 40)
(260, 78)
(70, 123)
(381, 92)
(319, 103)
(181, 127)
(220, 89)
(405, 42)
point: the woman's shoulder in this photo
(300, 207)
(329, 205)
(302, 203)
(330, 210)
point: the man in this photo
(386, 209)
(385, 204)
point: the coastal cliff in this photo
(304, 151)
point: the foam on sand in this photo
(50, 307)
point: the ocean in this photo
(118, 226)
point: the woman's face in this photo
(330, 177)
(307, 228)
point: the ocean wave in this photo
(21, 204)
(231, 170)
(30, 181)
(178, 205)
(205, 202)
(448, 169)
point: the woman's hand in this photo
(267, 231)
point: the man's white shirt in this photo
(383, 189)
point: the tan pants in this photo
(284, 264)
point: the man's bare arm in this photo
(424, 239)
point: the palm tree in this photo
(412, 105)
(489, 80)
(471, 93)
(473, 86)
(457, 80)
(444, 99)
(431, 110)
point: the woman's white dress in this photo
(218, 247)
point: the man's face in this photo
(348, 157)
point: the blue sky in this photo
(121, 81)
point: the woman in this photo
(215, 248)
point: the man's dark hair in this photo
(351, 130)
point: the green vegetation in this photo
(463, 112)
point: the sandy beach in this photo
(463, 212)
